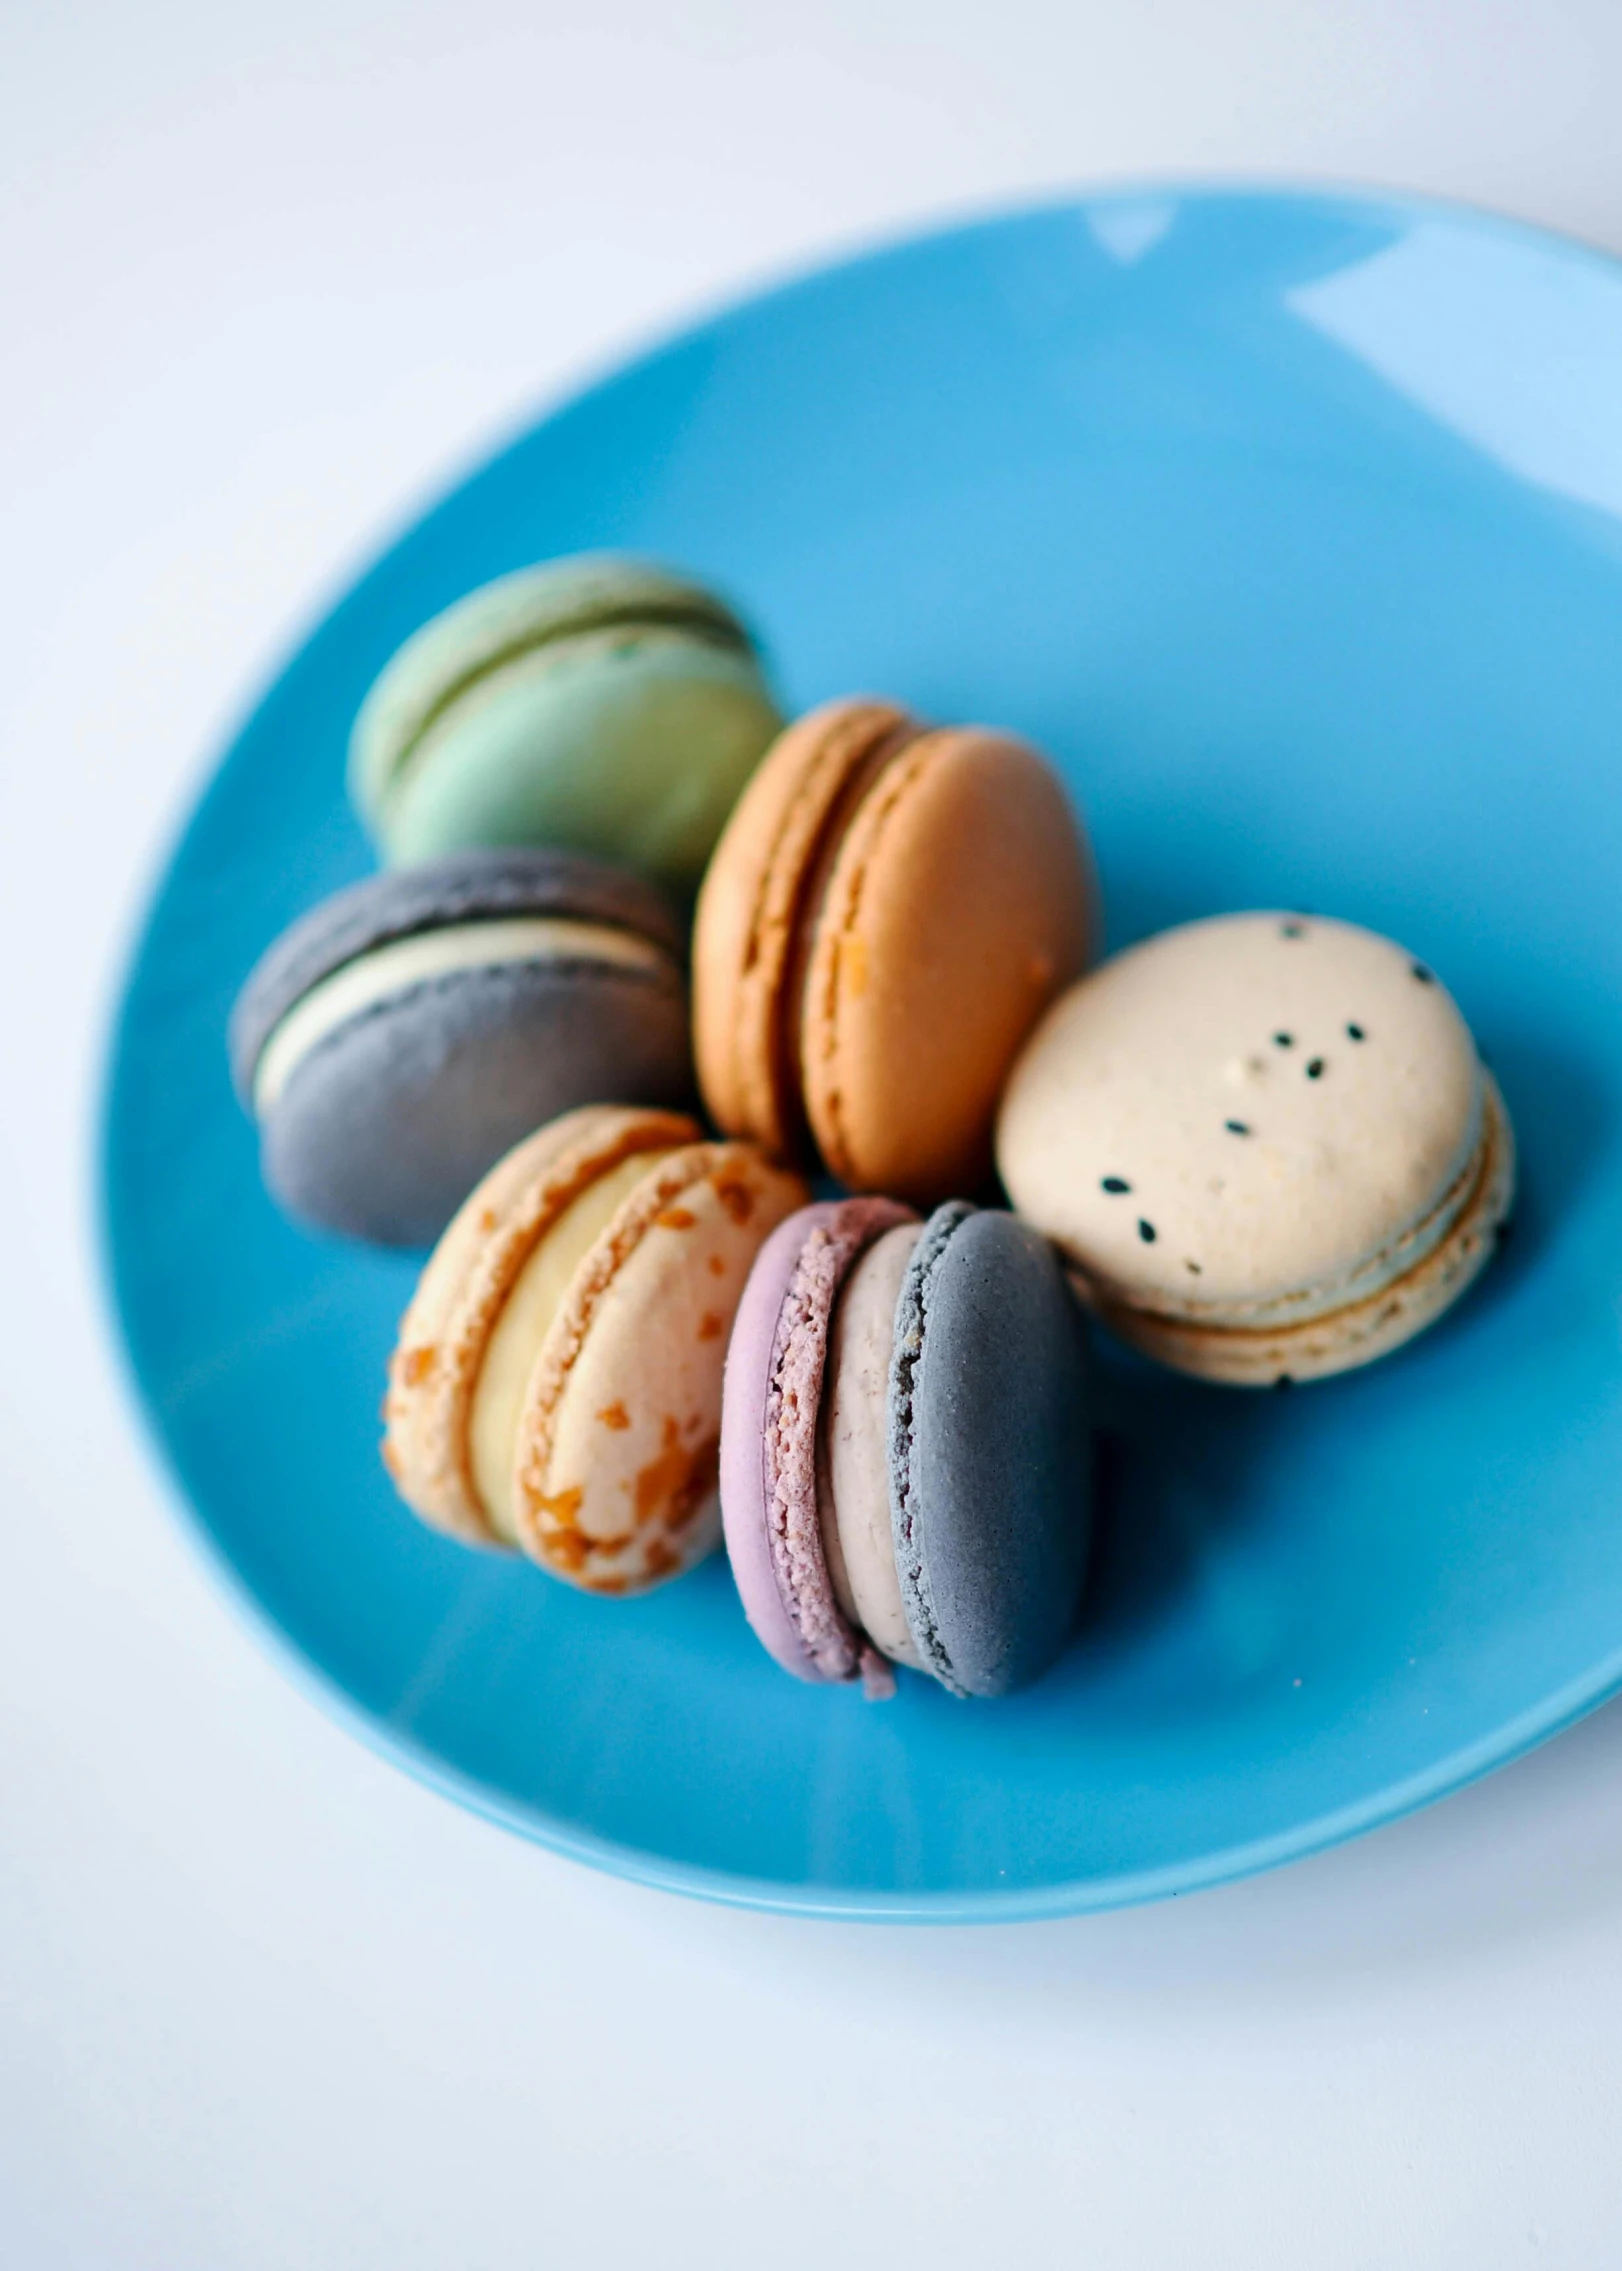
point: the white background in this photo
(268, 273)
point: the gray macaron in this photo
(990, 1451)
(404, 1035)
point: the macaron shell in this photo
(460, 1294)
(991, 1456)
(1357, 1334)
(617, 1453)
(962, 901)
(749, 910)
(631, 744)
(383, 1128)
(748, 1374)
(504, 620)
(1246, 1121)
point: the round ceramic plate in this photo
(1292, 527)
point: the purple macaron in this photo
(905, 1447)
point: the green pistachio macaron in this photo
(598, 704)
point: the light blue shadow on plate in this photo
(1289, 524)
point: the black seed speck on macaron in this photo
(1115, 1185)
(1355, 1033)
(1236, 1127)
(1315, 1070)
(1146, 1231)
(1284, 1381)
(1193, 1269)
(1425, 977)
(1284, 1040)
(1292, 930)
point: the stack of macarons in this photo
(1261, 1149)
(545, 768)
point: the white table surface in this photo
(267, 274)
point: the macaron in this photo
(400, 1038)
(890, 910)
(1265, 1144)
(598, 703)
(556, 1387)
(905, 1463)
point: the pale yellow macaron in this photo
(1265, 1145)
(557, 1382)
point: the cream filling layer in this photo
(853, 1464)
(407, 962)
(515, 1343)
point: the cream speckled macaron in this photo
(557, 1382)
(1265, 1145)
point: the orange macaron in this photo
(891, 908)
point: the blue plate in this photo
(1292, 526)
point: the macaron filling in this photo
(426, 958)
(446, 1330)
(853, 1460)
(794, 1395)
(501, 1387)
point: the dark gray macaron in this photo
(402, 1036)
(990, 1461)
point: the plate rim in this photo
(1512, 1740)
(1090, 1896)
